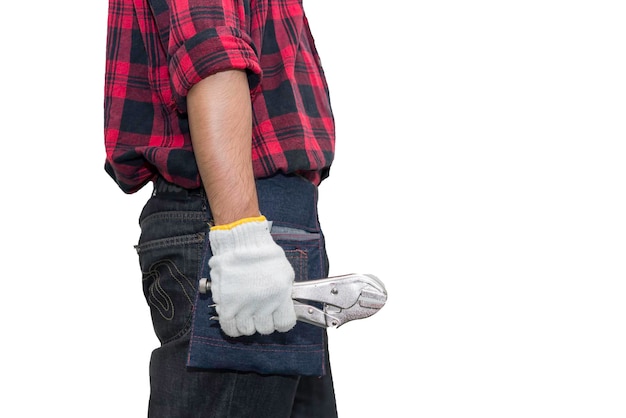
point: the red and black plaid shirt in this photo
(158, 49)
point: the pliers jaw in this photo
(343, 298)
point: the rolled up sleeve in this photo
(205, 37)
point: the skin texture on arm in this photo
(220, 123)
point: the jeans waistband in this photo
(164, 188)
(288, 199)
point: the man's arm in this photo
(251, 278)
(220, 122)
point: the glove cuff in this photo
(232, 225)
(250, 233)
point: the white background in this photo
(479, 173)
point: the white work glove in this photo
(251, 279)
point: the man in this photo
(224, 107)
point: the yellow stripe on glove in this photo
(231, 225)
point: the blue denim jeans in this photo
(200, 372)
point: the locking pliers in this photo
(343, 298)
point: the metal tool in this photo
(343, 298)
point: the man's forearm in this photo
(220, 122)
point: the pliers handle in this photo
(343, 298)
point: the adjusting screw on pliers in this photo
(204, 285)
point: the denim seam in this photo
(180, 215)
(171, 241)
(214, 342)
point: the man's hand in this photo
(251, 279)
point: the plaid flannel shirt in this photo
(158, 49)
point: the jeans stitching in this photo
(170, 241)
(162, 302)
